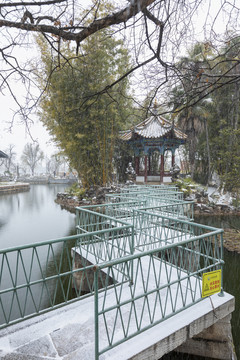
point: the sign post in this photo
(211, 283)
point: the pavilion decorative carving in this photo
(150, 140)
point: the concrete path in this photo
(68, 333)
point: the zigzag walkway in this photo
(136, 268)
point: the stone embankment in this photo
(215, 204)
(93, 196)
(231, 240)
(9, 188)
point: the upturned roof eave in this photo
(146, 130)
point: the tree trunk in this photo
(208, 152)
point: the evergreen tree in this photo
(194, 119)
(212, 125)
(224, 119)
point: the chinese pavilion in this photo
(150, 140)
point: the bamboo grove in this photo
(83, 122)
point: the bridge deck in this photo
(68, 333)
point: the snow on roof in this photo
(152, 128)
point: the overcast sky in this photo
(19, 136)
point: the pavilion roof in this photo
(153, 127)
(3, 155)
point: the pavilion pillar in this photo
(173, 159)
(137, 160)
(149, 165)
(145, 168)
(162, 168)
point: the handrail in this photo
(161, 288)
(146, 264)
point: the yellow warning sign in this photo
(211, 283)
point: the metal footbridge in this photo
(133, 268)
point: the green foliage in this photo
(123, 156)
(84, 121)
(212, 125)
(228, 162)
(76, 190)
(185, 185)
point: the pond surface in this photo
(28, 218)
(33, 216)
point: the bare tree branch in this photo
(31, 3)
(157, 33)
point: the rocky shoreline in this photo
(93, 196)
(231, 240)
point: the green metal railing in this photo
(153, 197)
(146, 264)
(151, 187)
(166, 280)
(35, 278)
(125, 210)
(126, 196)
(182, 248)
(116, 210)
(179, 209)
(154, 229)
(40, 277)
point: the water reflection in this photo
(25, 218)
(33, 216)
(34, 271)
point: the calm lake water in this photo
(27, 218)
(33, 216)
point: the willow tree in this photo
(83, 121)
